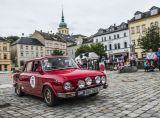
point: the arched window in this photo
(119, 46)
(110, 47)
(125, 44)
(115, 46)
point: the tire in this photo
(94, 94)
(18, 91)
(49, 97)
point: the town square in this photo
(79, 59)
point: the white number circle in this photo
(33, 82)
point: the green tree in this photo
(57, 52)
(151, 39)
(98, 48)
(82, 49)
(11, 39)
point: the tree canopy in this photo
(57, 52)
(98, 48)
(11, 39)
(151, 39)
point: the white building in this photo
(51, 42)
(115, 39)
(25, 49)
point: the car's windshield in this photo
(56, 63)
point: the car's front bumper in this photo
(85, 92)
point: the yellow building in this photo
(5, 60)
(138, 25)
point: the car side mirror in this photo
(39, 70)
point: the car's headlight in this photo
(81, 84)
(103, 79)
(88, 81)
(98, 79)
(67, 85)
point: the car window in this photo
(36, 64)
(28, 67)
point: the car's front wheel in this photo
(49, 97)
(18, 91)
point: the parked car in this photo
(56, 77)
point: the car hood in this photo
(71, 74)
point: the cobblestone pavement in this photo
(129, 95)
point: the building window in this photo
(143, 28)
(41, 54)
(138, 16)
(125, 44)
(5, 48)
(36, 47)
(119, 46)
(117, 35)
(102, 39)
(114, 36)
(96, 40)
(154, 12)
(27, 53)
(115, 46)
(22, 54)
(138, 29)
(41, 48)
(0, 67)
(36, 54)
(105, 47)
(110, 46)
(5, 68)
(125, 35)
(26, 47)
(105, 39)
(31, 47)
(132, 30)
(5, 56)
(109, 37)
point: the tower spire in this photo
(62, 19)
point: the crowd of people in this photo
(115, 63)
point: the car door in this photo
(35, 79)
(25, 77)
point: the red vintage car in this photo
(57, 77)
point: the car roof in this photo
(40, 58)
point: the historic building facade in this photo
(25, 49)
(51, 42)
(138, 25)
(115, 39)
(5, 57)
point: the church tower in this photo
(63, 26)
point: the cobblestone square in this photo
(129, 95)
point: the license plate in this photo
(89, 91)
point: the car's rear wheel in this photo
(18, 91)
(49, 97)
(94, 94)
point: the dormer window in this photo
(138, 16)
(154, 12)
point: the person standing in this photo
(158, 56)
(133, 60)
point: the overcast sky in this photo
(82, 16)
